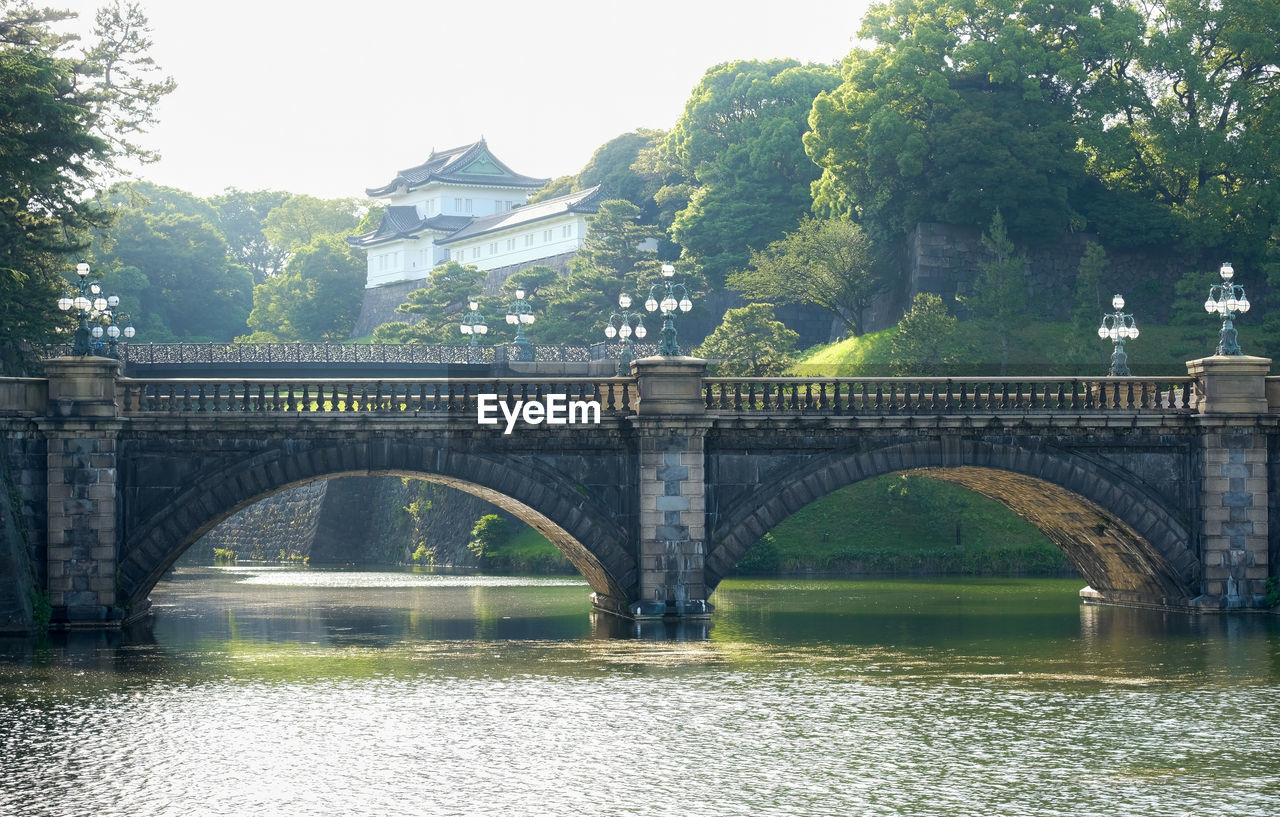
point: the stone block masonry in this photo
(1235, 502)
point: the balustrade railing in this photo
(142, 396)
(942, 395)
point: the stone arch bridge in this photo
(1157, 489)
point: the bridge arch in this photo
(1128, 543)
(592, 539)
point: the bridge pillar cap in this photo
(670, 385)
(1231, 384)
(82, 386)
(1229, 364)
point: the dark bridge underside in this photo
(1128, 545)
(169, 506)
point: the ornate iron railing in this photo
(258, 353)
(612, 351)
(144, 396)
(942, 395)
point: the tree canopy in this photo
(739, 141)
(68, 115)
(1152, 122)
(750, 343)
(824, 262)
(317, 296)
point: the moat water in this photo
(269, 691)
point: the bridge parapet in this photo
(947, 395)
(138, 396)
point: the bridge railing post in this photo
(81, 429)
(1231, 400)
(671, 424)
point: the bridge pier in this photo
(81, 427)
(1234, 442)
(670, 425)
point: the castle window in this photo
(528, 240)
(511, 243)
(546, 236)
(493, 248)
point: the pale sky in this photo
(326, 98)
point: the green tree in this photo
(436, 309)
(66, 118)
(195, 293)
(823, 262)
(1150, 122)
(300, 219)
(1087, 304)
(488, 534)
(1187, 113)
(751, 343)
(611, 261)
(925, 343)
(739, 140)
(241, 217)
(998, 296)
(316, 298)
(959, 108)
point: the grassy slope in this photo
(1035, 348)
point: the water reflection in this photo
(305, 692)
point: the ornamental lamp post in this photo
(1118, 327)
(520, 314)
(620, 326)
(668, 305)
(114, 332)
(91, 304)
(1228, 300)
(473, 323)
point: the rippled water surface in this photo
(303, 692)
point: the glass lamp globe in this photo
(668, 304)
(99, 304)
(482, 329)
(465, 328)
(64, 303)
(520, 294)
(1226, 271)
(1133, 332)
(129, 331)
(1117, 302)
(113, 331)
(668, 270)
(113, 301)
(624, 300)
(1232, 303)
(1242, 305)
(526, 317)
(473, 305)
(610, 331)
(512, 319)
(651, 305)
(685, 304)
(1210, 305)
(624, 331)
(641, 331)
(96, 331)
(82, 269)
(81, 303)
(1102, 331)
